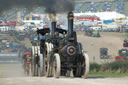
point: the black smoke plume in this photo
(51, 6)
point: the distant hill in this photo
(92, 0)
(120, 6)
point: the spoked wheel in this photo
(35, 61)
(41, 65)
(82, 68)
(30, 72)
(56, 66)
(35, 68)
(32, 61)
(32, 67)
(50, 64)
(46, 61)
(47, 69)
(85, 66)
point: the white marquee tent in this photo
(103, 15)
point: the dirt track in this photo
(11, 70)
(110, 40)
(13, 75)
(63, 81)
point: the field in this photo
(112, 41)
(13, 74)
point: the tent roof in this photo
(103, 15)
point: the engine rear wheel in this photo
(46, 60)
(56, 66)
(35, 60)
(50, 64)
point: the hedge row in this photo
(114, 67)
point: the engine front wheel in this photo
(85, 66)
(56, 66)
(82, 67)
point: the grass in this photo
(113, 6)
(126, 36)
(83, 8)
(100, 7)
(126, 8)
(108, 74)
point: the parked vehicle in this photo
(122, 55)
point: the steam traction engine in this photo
(61, 53)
